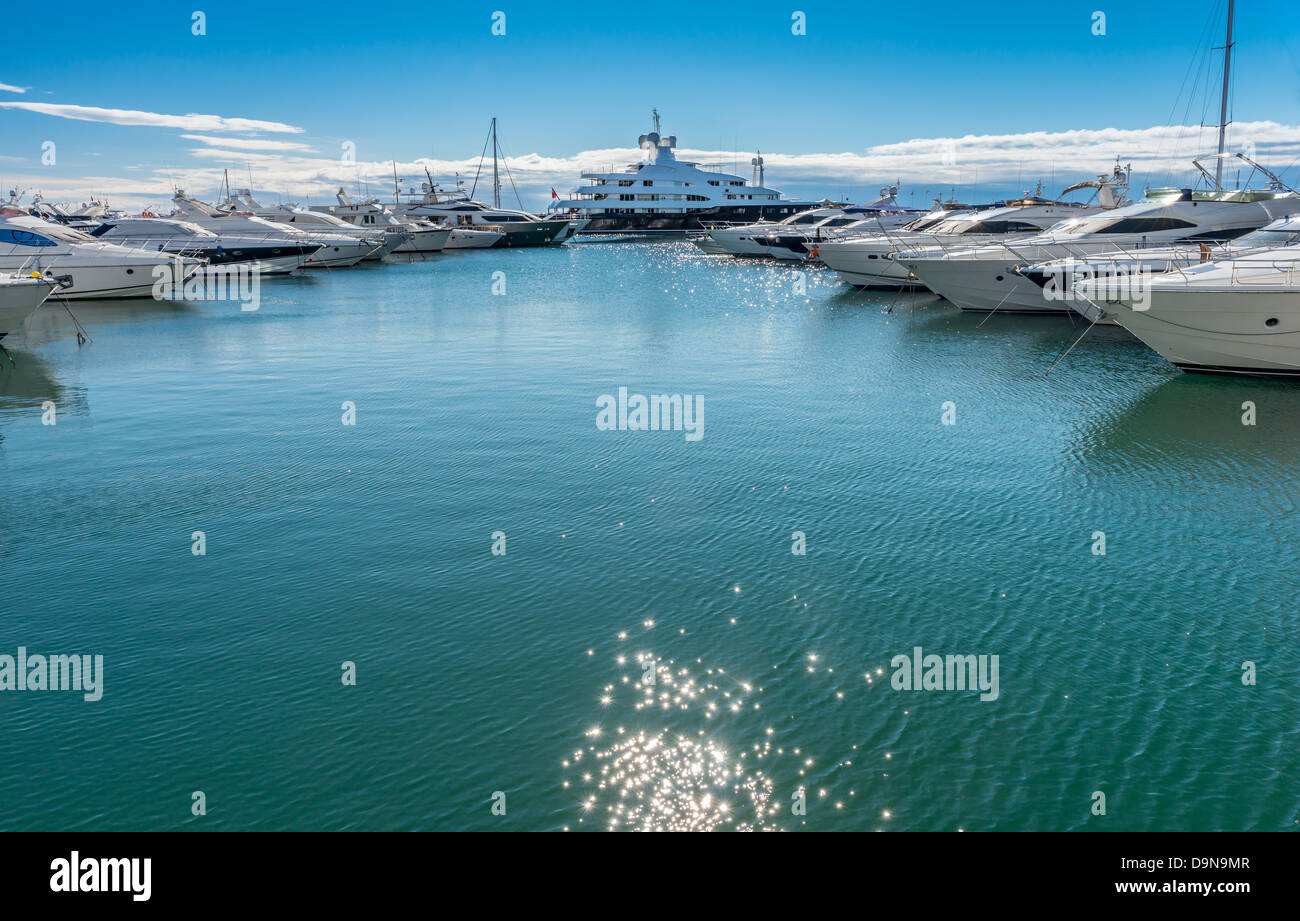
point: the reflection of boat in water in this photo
(27, 382)
(1192, 426)
(56, 321)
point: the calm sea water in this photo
(523, 674)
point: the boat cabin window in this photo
(1146, 225)
(24, 238)
(1001, 227)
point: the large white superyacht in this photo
(662, 194)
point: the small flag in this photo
(553, 195)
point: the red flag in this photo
(553, 195)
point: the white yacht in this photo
(337, 251)
(384, 240)
(1238, 316)
(517, 228)
(423, 237)
(864, 261)
(987, 277)
(81, 265)
(279, 255)
(662, 194)
(20, 295)
(748, 239)
(803, 243)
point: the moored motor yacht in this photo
(749, 239)
(384, 240)
(422, 237)
(864, 260)
(81, 265)
(20, 295)
(987, 277)
(517, 228)
(803, 243)
(278, 255)
(1239, 315)
(664, 195)
(337, 250)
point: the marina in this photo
(422, 490)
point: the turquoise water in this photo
(479, 674)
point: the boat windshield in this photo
(54, 232)
(925, 223)
(1266, 237)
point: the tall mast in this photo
(496, 179)
(1223, 105)
(656, 115)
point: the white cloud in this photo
(7, 88)
(134, 118)
(247, 143)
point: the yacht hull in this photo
(96, 282)
(865, 269)
(423, 242)
(1218, 331)
(19, 298)
(465, 238)
(644, 223)
(532, 233)
(985, 285)
(336, 254)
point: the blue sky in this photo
(408, 81)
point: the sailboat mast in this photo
(1223, 104)
(496, 179)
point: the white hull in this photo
(337, 254)
(864, 266)
(94, 281)
(463, 238)
(19, 298)
(740, 241)
(1223, 331)
(710, 246)
(425, 241)
(276, 265)
(991, 283)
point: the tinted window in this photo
(1002, 227)
(1146, 225)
